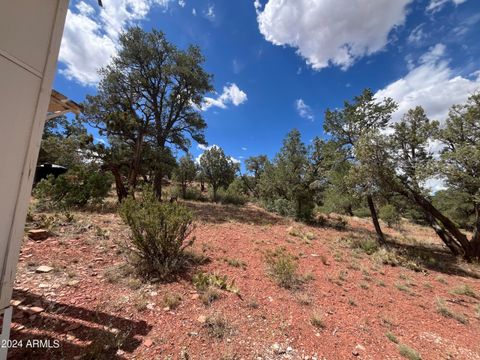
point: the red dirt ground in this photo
(359, 299)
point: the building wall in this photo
(30, 36)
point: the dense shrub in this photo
(390, 215)
(281, 206)
(191, 193)
(234, 194)
(78, 187)
(160, 234)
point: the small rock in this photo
(277, 349)
(38, 234)
(193, 333)
(72, 283)
(195, 296)
(202, 319)
(35, 310)
(15, 302)
(150, 306)
(43, 286)
(43, 269)
(358, 348)
(166, 308)
(120, 352)
(148, 342)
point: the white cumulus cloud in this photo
(304, 110)
(231, 95)
(90, 37)
(327, 32)
(432, 84)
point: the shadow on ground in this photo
(82, 331)
(436, 258)
(247, 214)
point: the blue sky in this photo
(279, 64)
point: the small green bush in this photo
(282, 207)
(390, 215)
(160, 234)
(191, 193)
(78, 187)
(368, 245)
(283, 269)
(234, 194)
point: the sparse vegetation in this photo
(391, 337)
(172, 300)
(443, 310)
(203, 282)
(283, 269)
(217, 326)
(408, 352)
(210, 295)
(317, 320)
(465, 290)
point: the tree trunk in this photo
(157, 184)
(373, 213)
(214, 193)
(348, 210)
(122, 192)
(475, 243)
(449, 232)
(448, 240)
(135, 167)
(184, 191)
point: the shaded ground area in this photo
(352, 303)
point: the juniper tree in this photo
(285, 183)
(359, 118)
(219, 170)
(150, 93)
(185, 173)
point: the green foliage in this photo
(80, 186)
(367, 245)
(461, 155)
(255, 165)
(191, 193)
(185, 173)
(219, 170)
(160, 234)
(64, 142)
(234, 194)
(283, 269)
(457, 206)
(390, 215)
(147, 103)
(284, 186)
